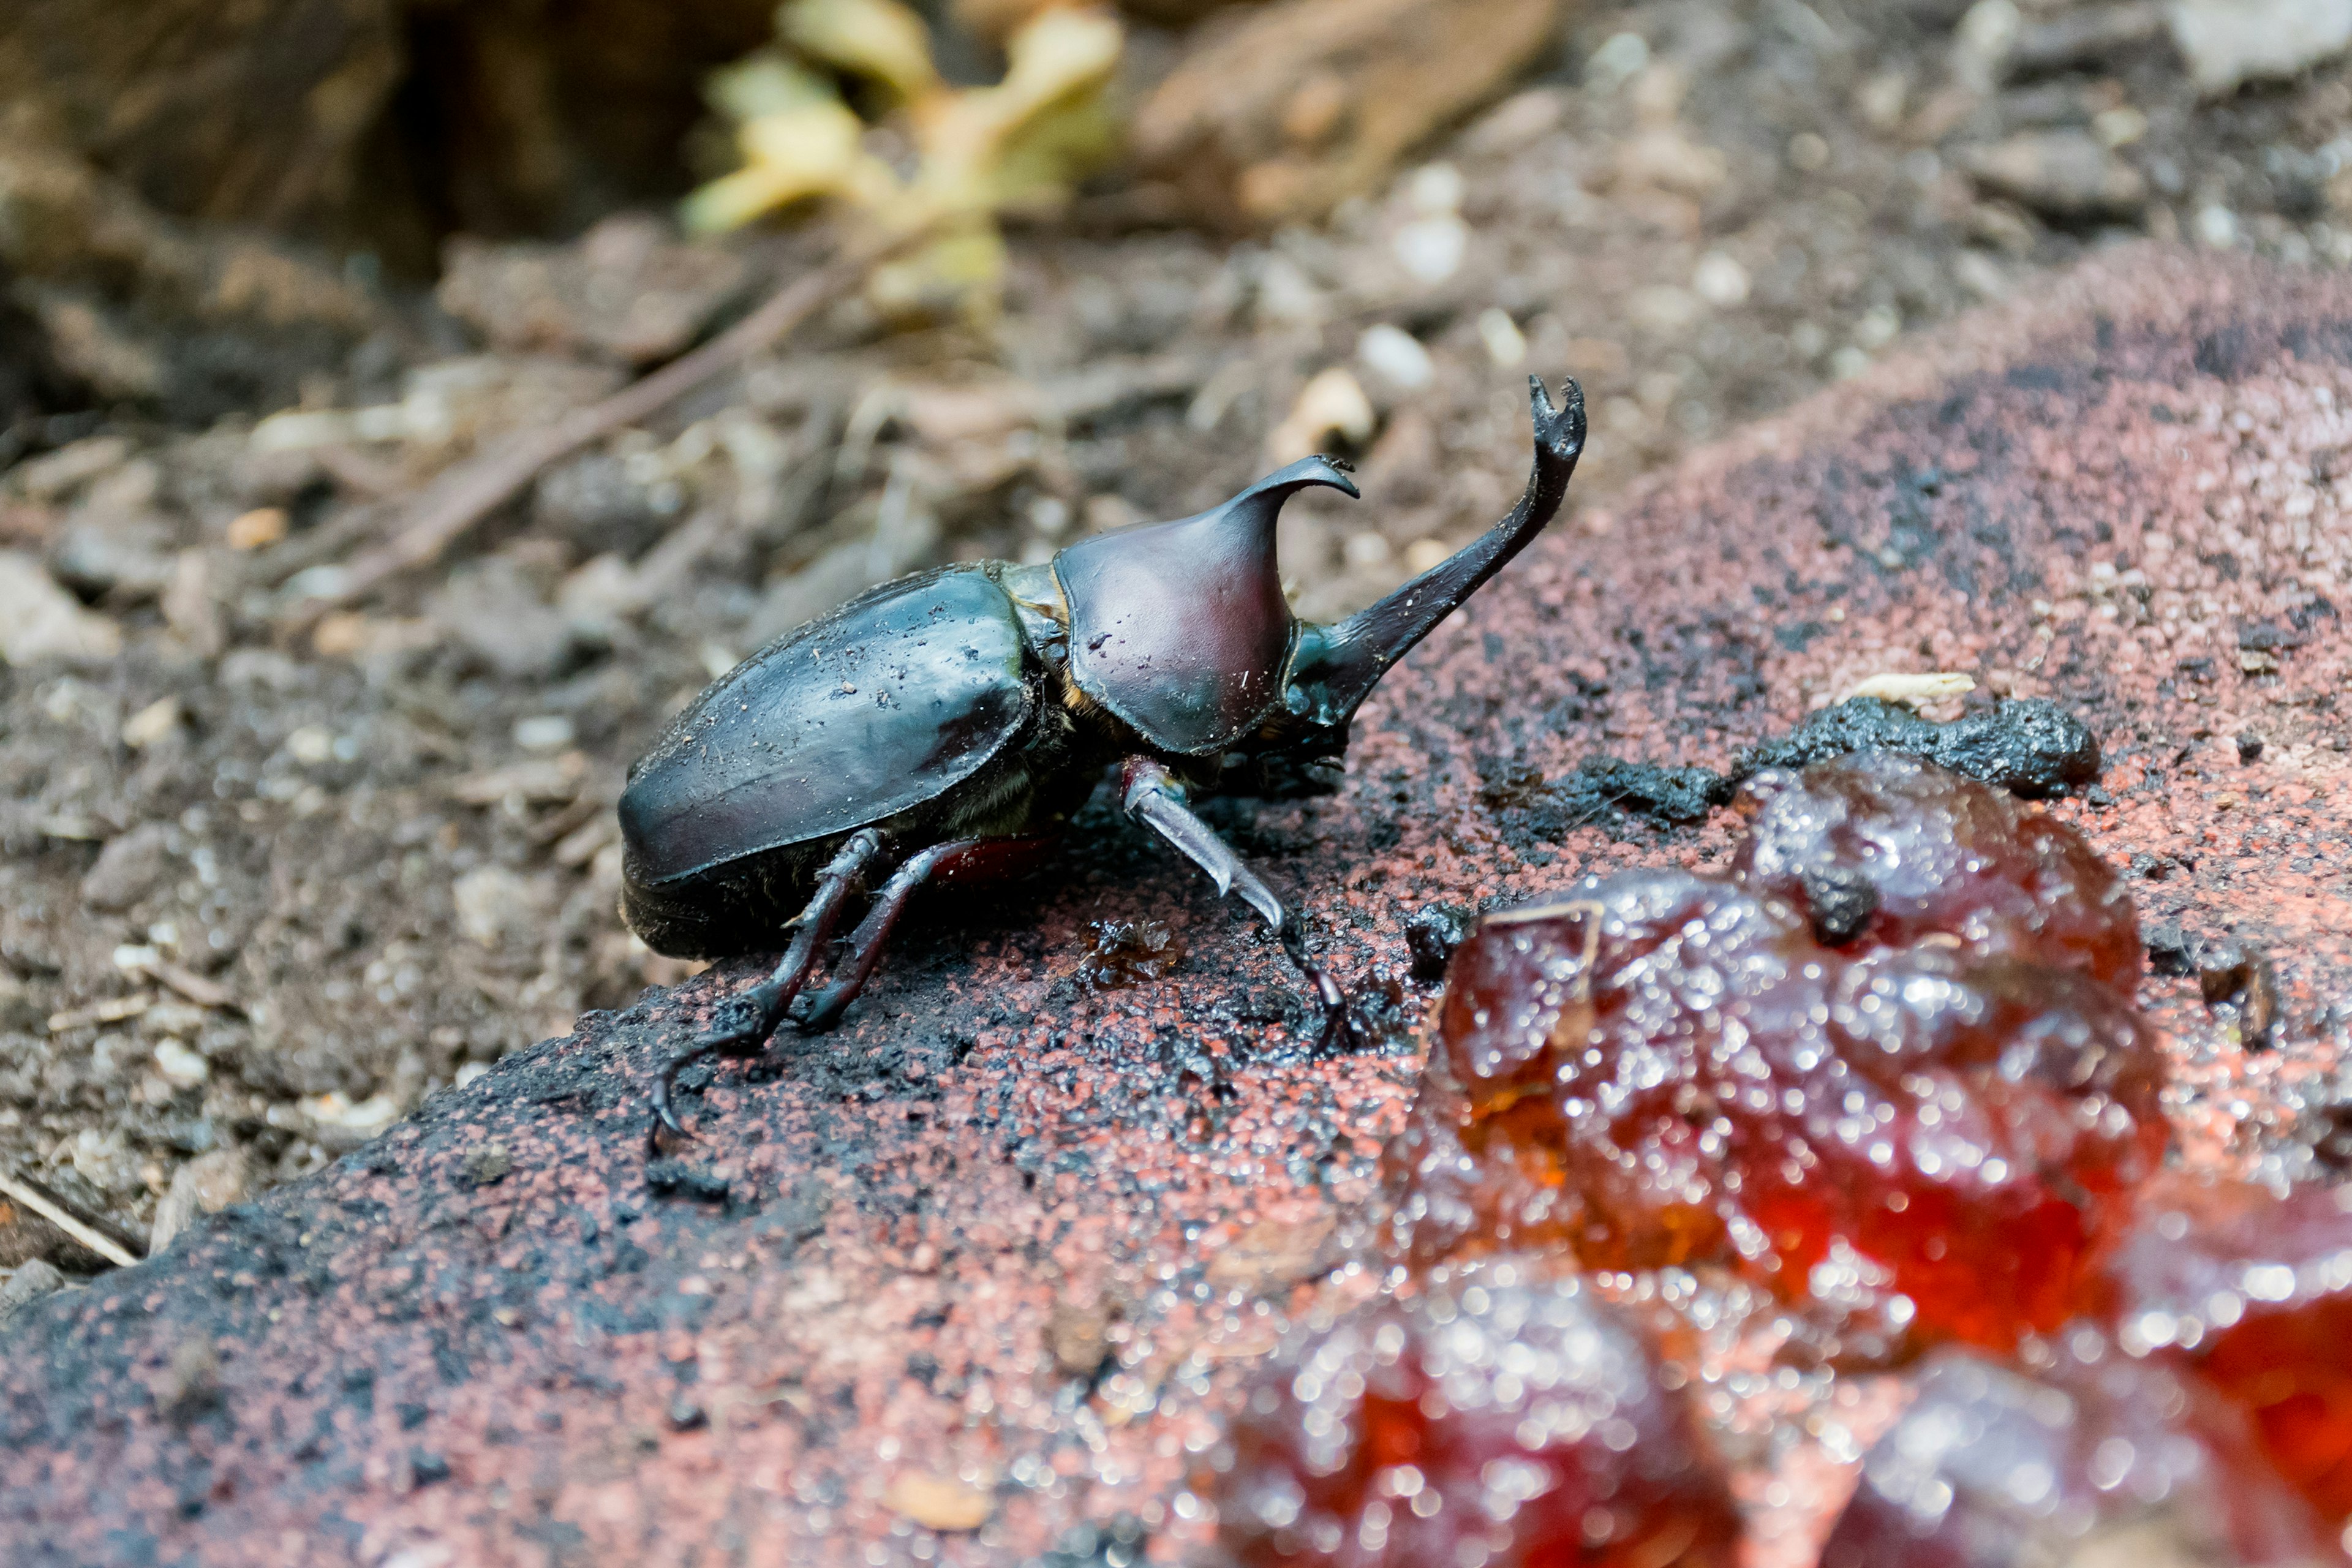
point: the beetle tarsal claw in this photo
(1340, 1030)
(738, 1027)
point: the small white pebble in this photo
(1285, 295)
(1049, 517)
(1620, 58)
(1332, 404)
(1506, 344)
(310, 745)
(2217, 227)
(1436, 188)
(1395, 356)
(335, 1109)
(151, 724)
(1877, 327)
(1979, 274)
(1912, 689)
(543, 733)
(1431, 249)
(1720, 280)
(181, 1067)
(2119, 127)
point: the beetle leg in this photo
(824, 1008)
(1155, 799)
(742, 1023)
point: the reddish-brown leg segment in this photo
(743, 1022)
(957, 860)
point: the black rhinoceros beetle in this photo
(961, 715)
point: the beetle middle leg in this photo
(743, 1022)
(1154, 798)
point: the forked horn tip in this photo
(1559, 428)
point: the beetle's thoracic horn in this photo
(1354, 653)
(1305, 474)
(1180, 628)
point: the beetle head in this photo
(1180, 628)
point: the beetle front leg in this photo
(1153, 797)
(742, 1023)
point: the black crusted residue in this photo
(1841, 900)
(1602, 790)
(1433, 932)
(1661, 793)
(2029, 747)
(2170, 952)
(1128, 952)
(674, 1177)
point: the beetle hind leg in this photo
(980, 857)
(743, 1022)
(1157, 800)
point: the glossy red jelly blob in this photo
(1881, 850)
(2090, 1458)
(2255, 1291)
(1493, 1420)
(1662, 1067)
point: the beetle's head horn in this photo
(1337, 667)
(1180, 628)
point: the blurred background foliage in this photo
(1022, 143)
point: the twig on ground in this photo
(83, 1235)
(204, 992)
(464, 495)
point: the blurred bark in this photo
(380, 124)
(135, 306)
(252, 111)
(1294, 106)
(536, 117)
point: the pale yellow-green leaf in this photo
(733, 200)
(764, 84)
(1052, 153)
(1023, 142)
(818, 141)
(1033, 133)
(813, 150)
(1058, 53)
(878, 39)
